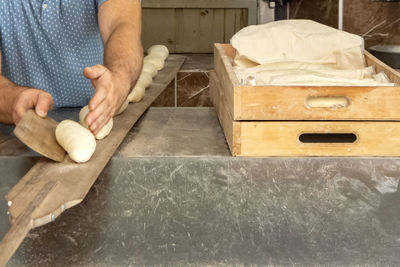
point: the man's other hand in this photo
(36, 99)
(110, 93)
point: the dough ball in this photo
(139, 90)
(82, 115)
(150, 69)
(123, 107)
(156, 60)
(103, 132)
(137, 93)
(78, 141)
(145, 80)
(161, 50)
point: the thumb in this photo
(44, 104)
(94, 72)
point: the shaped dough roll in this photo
(123, 107)
(78, 141)
(145, 80)
(139, 90)
(103, 132)
(156, 59)
(150, 69)
(137, 93)
(161, 50)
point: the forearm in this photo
(8, 93)
(123, 54)
(120, 28)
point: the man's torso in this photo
(47, 44)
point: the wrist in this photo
(8, 100)
(124, 81)
(16, 90)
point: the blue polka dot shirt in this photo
(46, 44)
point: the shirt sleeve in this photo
(99, 2)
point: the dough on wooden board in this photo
(137, 93)
(152, 63)
(123, 107)
(156, 59)
(103, 132)
(161, 50)
(139, 90)
(149, 68)
(145, 79)
(78, 141)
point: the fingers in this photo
(95, 114)
(94, 72)
(44, 104)
(109, 94)
(22, 104)
(99, 96)
(99, 117)
(36, 99)
(100, 123)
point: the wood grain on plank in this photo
(74, 179)
(40, 135)
(22, 224)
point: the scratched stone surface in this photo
(213, 209)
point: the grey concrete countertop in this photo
(173, 195)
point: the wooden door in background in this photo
(191, 30)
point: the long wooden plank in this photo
(22, 225)
(74, 179)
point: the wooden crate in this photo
(292, 138)
(290, 102)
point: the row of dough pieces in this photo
(78, 141)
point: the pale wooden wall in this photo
(191, 30)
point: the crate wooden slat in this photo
(289, 102)
(230, 127)
(281, 138)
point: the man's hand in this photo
(28, 98)
(15, 100)
(120, 28)
(110, 93)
